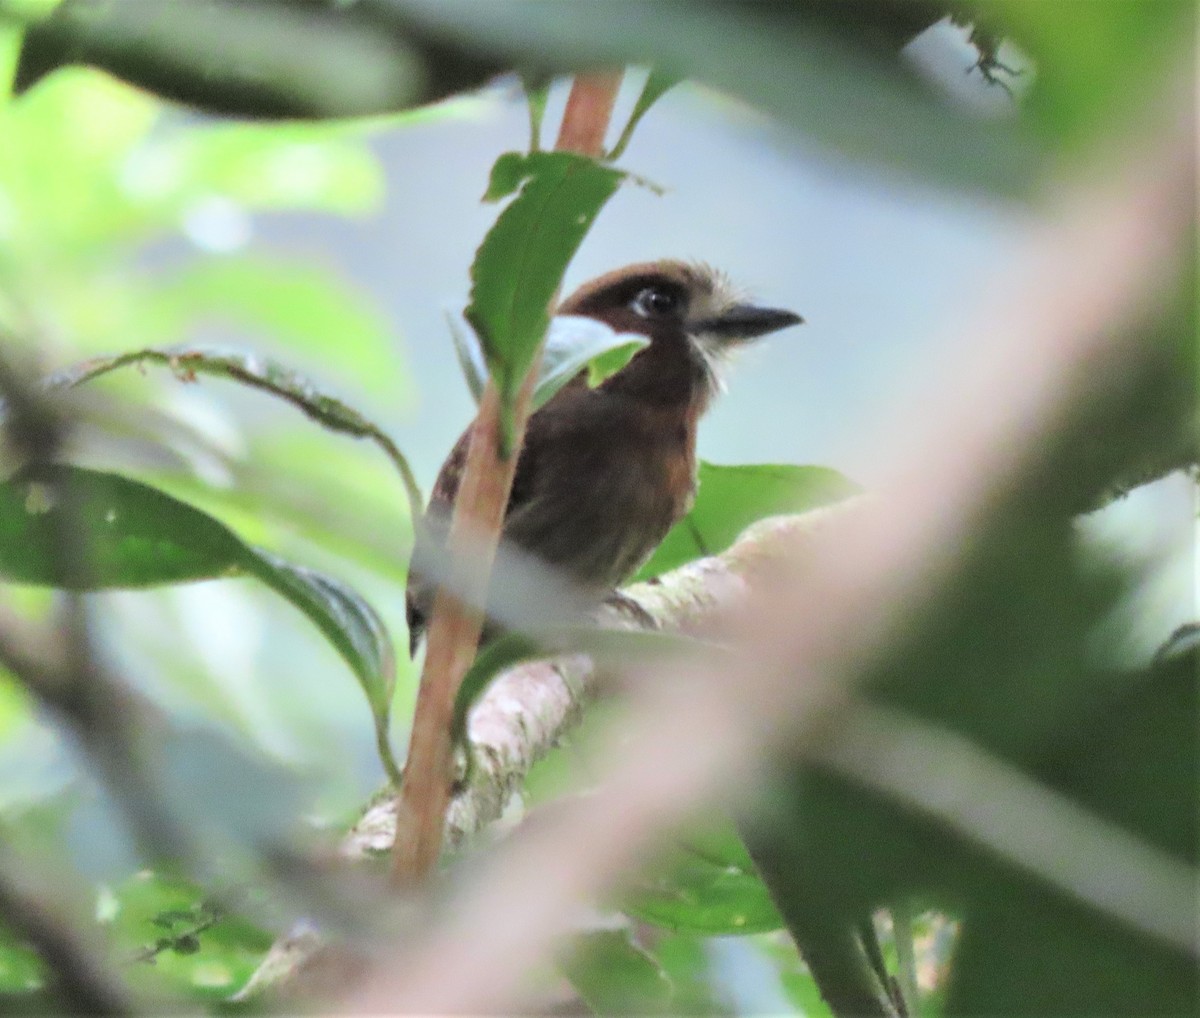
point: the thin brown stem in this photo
(478, 518)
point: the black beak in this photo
(745, 321)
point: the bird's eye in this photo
(654, 301)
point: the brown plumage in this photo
(605, 472)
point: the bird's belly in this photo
(603, 529)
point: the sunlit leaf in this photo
(295, 165)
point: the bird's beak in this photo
(741, 322)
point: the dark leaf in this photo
(257, 58)
(806, 63)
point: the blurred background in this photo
(340, 247)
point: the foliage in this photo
(97, 178)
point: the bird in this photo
(606, 471)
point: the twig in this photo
(478, 517)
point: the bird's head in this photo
(692, 315)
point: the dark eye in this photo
(655, 301)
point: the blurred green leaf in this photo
(1097, 63)
(806, 63)
(614, 975)
(693, 893)
(60, 180)
(295, 165)
(729, 499)
(520, 264)
(136, 536)
(687, 963)
(223, 953)
(306, 307)
(1134, 762)
(260, 58)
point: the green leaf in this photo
(693, 893)
(349, 623)
(729, 499)
(658, 84)
(259, 166)
(805, 63)
(520, 264)
(132, 535)
(573, 344)
(1134, 762)
(508, 173)
(614, 975)
(610, 362)
(537, 92)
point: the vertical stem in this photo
(479, 508)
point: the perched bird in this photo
(605, 472)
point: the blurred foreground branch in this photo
(528, 709)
